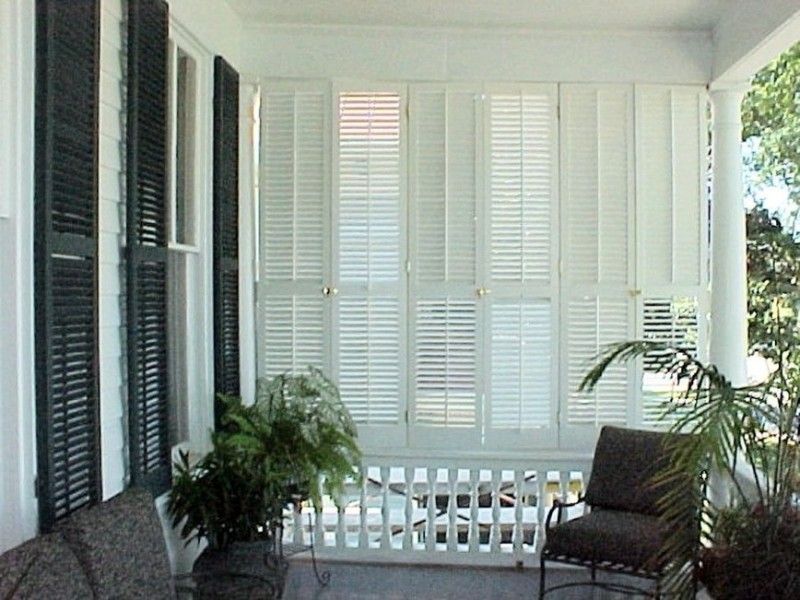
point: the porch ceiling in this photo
(616, 15)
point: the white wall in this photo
(433, 54)
(18, 516)
(750, 34)
(111, 223)
(212, 22)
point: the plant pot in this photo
(733, 573)
(242, 570)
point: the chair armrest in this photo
(559, 506)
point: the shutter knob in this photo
(334, 291)
(482, 291)
(326, 291)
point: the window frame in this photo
(195, 259)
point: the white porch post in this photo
(728, 336)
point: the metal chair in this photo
(622, 533)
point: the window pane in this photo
(184, 149)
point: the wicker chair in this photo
(622, 533)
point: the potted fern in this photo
(748, 435)
(297, 435)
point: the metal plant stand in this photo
(252, 570)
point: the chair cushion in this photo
(619, 537)
(44, 567)
(121, 546)
(625, 461)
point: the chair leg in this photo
(541, 578)
(657, 592)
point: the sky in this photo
(773, 195)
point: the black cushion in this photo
(618, 537)
(121, 546)
(44, 567)
(625, 461)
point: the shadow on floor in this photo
(393, 582)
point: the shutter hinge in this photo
(558, 111)
(406, 416)
(36, 487)
(408, 267)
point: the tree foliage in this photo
(771, 127)
(771, 118)
(773, 276)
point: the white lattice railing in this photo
(418, 510)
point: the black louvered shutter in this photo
(226, 230)
(148, 375)
(65, 246)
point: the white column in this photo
(728, 336)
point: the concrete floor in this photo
(393, 582)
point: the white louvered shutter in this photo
(671, 133)
(597, 250)
(671, 149)
(673, 321)
(369, 237)
(445, 316)
(294, 216)
(520, 280)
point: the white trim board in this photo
(419, 54)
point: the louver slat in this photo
(444, 203)
(593, 324)
(367, 311)
(672, 321)
(669, 133)
(521, 159)
(294, 221)
(294, 181)
(226, 231)
(445, 357)
(521, 373)
(520, 312)
(369, 358)
(597, 145)
(66, 207)
(148, 376)
(445, 314)
(369, 188)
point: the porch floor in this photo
(350, 581)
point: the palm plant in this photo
(749, 435)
